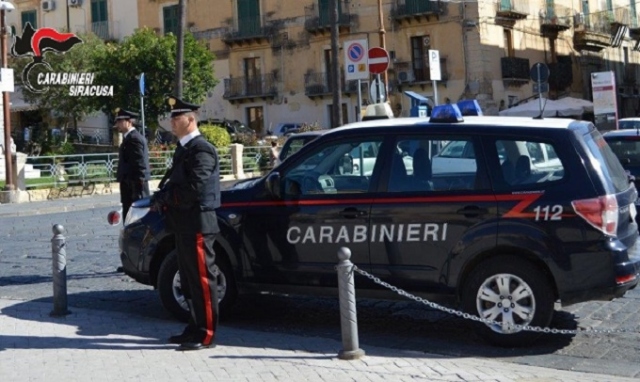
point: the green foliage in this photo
(147, 52)
(216, 135)
(66, 148)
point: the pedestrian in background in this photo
(133, 162)
(274, 153)
(189, 199)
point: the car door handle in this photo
(472, 211)
(352, 213)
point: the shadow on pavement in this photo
(385, 324)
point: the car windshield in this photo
(293, 144)
(631, 124)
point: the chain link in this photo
(471, 317)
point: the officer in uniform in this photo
(133, 161)
(189, 200)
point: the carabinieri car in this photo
(541, 211)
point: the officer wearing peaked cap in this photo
(189, 199)
(133, 161)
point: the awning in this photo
(18, 103)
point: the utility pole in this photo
(382, 41)
(182, 25)
(336, 110)
(5, 7)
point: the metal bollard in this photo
(348, 316)
(59, 255)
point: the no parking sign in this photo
(356, 60)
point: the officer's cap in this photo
(125, 114)
(179, 106)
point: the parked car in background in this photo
(285, 128)
(625, 144)
(629, 123)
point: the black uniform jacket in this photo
(133, 159)
(192, 192)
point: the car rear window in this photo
(632, 124)
(606, 163)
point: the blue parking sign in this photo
(351, 68)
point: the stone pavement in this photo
(115, 346)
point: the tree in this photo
(155, 56)
(56, 100)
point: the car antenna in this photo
(542, 111)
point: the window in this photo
(31, 18)
(253, 76)
(255, 116)
(249, 18)
(99, 18)
(528, 163)
(418, 165)
(508, 43)
(337, 168)
(170, 19)
(419, 50)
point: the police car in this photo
(502, 239)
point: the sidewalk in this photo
(108, 346)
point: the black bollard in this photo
(59, 255)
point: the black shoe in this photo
(181, 338)
(186, 346)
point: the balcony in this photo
(512, 9)
(250, 30)
(417, 10)
(593, 32)
(317, 18)
(107, 30)
(318, 85)
(554, 19)
(515, 70)
(250, 88)
(418, 73)
(560, 73)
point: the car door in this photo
(421, 221)
(325, 206)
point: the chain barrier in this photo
(467, 316)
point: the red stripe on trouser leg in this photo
(206, 291)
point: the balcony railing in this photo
(513, 9)
(555, 18)
(318, 84)
(598, 22)
(249, 28)
(250, 87)
(408, 9)
(317, 17)
(515, 69)
(106, 30)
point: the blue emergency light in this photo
(446, 113)
(469, 107)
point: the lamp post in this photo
(5, 7)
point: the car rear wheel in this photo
(510, 292)
(170, 287)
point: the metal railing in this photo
(408, 8)
(319, 15)
(249, 27)
(244, 87)
(82, 169)
(515, 6)
(598, 22)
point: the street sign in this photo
(378, 60)
(539, 72)
(6, 80)
(434, 65)
(355, 58)
(540, 87)
(377, 91)
(142, 84)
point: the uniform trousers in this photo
(199, 281)
(131, 191)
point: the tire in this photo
(170, 290)
(536, 295)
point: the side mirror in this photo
(272, 184)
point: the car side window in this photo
(336, 168)
(526, 164)
(421, 167)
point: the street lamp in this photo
(5, 7)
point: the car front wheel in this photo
(170, 287)
(509, 292)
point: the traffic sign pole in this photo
(142, 102)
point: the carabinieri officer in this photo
(189, 199)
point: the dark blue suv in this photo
(516, 214)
